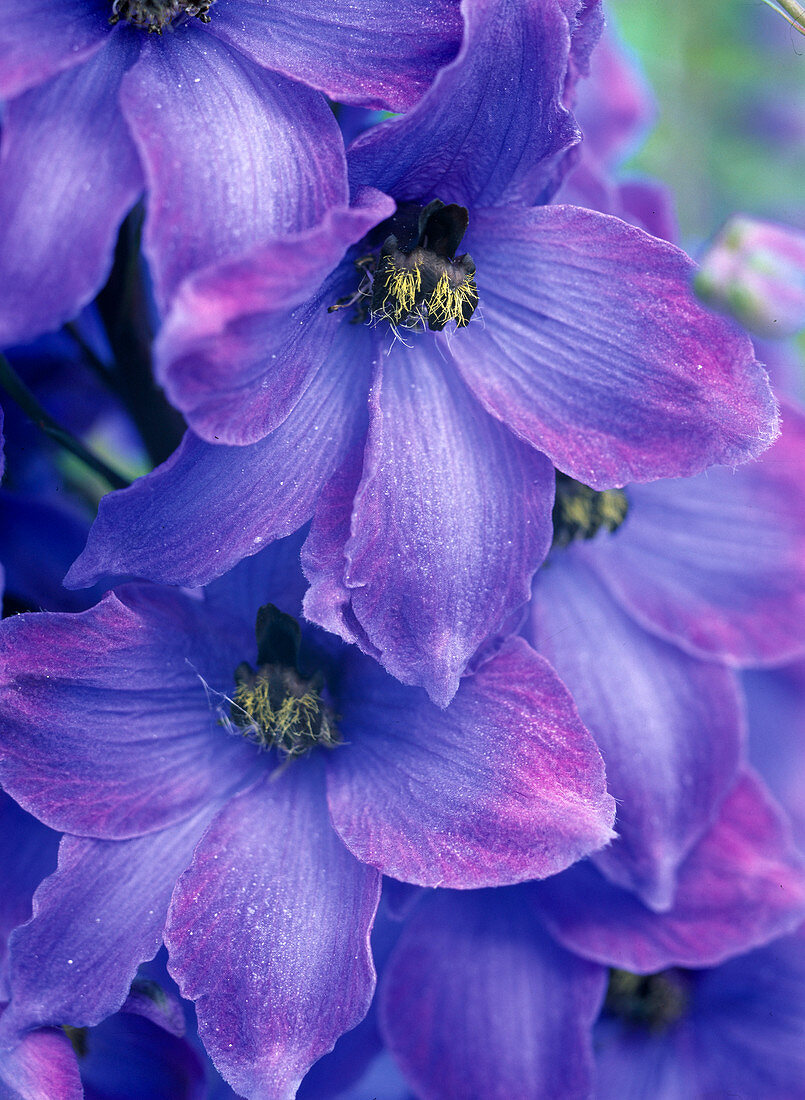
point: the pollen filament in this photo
(451, 302)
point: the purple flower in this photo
(494, 993)
(643, 622)
(431, 514)
(142, 728)
(209, 117)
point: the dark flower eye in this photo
(155, 15)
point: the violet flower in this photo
(208, 117)
(139, 727)
(431, 514)
(642, 623)
(494, 993)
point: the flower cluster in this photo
(387, 734)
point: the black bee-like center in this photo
(155, 15)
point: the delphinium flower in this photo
(431, 510)
(209, 107)
(495, 993)
(650, 593)
(253, 791)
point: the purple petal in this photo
(632, 1064)
(58, 224)
(775, 703)
(42, 1067)
(478, 1001)
(456, 507)
(28, 855)
(669, 726)
(593, 349)
(328, 600)
(492, 127)
(193, 102)
(95, 920)
(107, 727)
(148, 999)
(716, 564)
(375, 54)
(751, 1019)
(209, 506)
(741, 886)
(39, 38)
(504, 785)
(285, 911)
(242, 342)
(272, 576)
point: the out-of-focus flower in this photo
(614, 110)
(586, 347)
(140, 727)
(755, 271)
(209, 117)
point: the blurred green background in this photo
(729, 80)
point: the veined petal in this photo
(95, 920)
(374, 54)
(742, 886)
(68, 175)
(594, 350)
(716, 563)
(274, 897)
(492, 127)
(244, 337)
(453, 510)
(39, 39)
(669, 726)
(209, 506)
(107, 728)
(192, 102)
(478, 1001)
(502, 786)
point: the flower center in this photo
(580, 512)
(653, 1002)
(155, 15)
(421, 282)
(276, 707)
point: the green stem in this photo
(16, 388)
